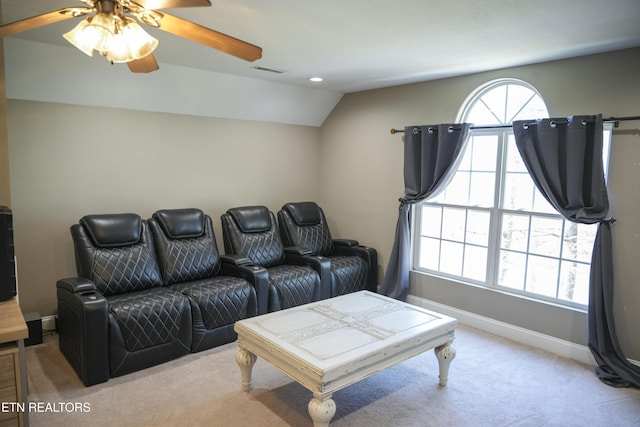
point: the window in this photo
(491, 226)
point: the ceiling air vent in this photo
(269, 70)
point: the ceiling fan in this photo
(112, 32)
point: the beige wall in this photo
(361, 169)
(69, 161)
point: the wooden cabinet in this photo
(13, 382)
(10, 385)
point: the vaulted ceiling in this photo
(354, 45)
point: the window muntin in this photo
(490, 225)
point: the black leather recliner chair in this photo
(353, 267)
(294, 277)
(189, 263)
(121, 314)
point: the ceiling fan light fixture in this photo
(130, 42)
(118, 38)
(94, 33)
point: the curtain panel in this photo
(564, 158)
(432, 154)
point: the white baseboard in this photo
(49, 323)
(551, 344)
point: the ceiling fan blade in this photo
(42, 20)
(144, 65)
(209, 37)
(167, 4)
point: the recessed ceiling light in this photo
(316, 79)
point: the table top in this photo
(350, 330)
(12, 324)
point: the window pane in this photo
(518, 98)
(453, 224)
(545, 236)
(482, 186)
(494, 100)
(540, 204)
(578, 241)
(429, 253)
(451, 259)
(542, 275)
(475, 263)
(515, 232)
(511, 269)
(514, 160)
(457, 192)
(484, 153)
(518, 191)
(431, 221)
(478, 227)
(574, 282)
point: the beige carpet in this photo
(492, 382)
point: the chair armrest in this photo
(239, 266)
(345, 242)
(235, 259)
(298, 256)
(297, 250)
(83, 318)
(76, 284)
(370, 255)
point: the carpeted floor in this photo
(492, 382)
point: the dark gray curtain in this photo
(564, 158)
(431, 156)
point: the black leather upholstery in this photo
(353, 267)
(139, 301)
(190, 264)
(294, 279)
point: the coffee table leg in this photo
(321, 410)
(245, 359)
(445, 354)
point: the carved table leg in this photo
(445, 354)
(245, 359)
(321, 410)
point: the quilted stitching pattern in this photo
(70, 339)
(350, 273)
(150, 317)
(294, 284)
(190, 259)
(263, 249)
(315, 237)
(124, 269)
(185, 260)
(221, 300)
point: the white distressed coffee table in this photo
(328, 345)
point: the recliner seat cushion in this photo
(294, 285)
(349, 273)
(220, 300)
(149, 318)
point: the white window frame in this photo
(496, 213)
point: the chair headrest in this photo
(304, 213)
(113, 230)
(252, 219)
(181, 223)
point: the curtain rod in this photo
(615, 120)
